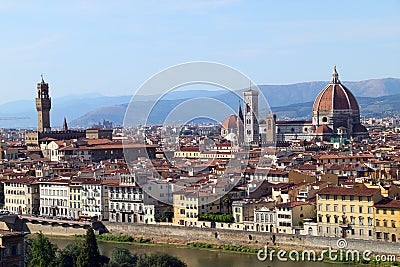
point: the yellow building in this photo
(21, 196)
(387, 220)
(347, 212)
(189, 203)
(75, 198)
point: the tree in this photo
(27, 251)
(159, 260)
(69, 255)
(89, 255)
(122, 257)
(43, 251)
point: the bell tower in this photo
(251, 128)
(43, 106)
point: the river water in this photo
(195, 257)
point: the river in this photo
(195, 257)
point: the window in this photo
(360, 198)
(384, 211)
(343, 198)
(328, 207)
(327, 197)
(360, 209)
(335, 208)
(361, 221)
(369, 199)
(393, 224)
(343, 208)
(335, 197)
(370, 210)
(319, 207)
(351, 208)
(378, 222)
(351, 198)
(369, 221)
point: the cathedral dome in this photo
(230, 122)
(335, 96)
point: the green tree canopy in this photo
(43, 251)
(159, 260)
(69, 255)
(89, 255)
(122, 257)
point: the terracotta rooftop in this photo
(354, 191)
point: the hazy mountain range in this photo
(376, 97)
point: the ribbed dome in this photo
(230, 122)
(335, 96)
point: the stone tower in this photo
(43, 106)
(240, 136)
(270, 125)
(251, 128)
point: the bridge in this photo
(32, 224)
(56, 222)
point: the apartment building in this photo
(54, 197)
(21, 195)
(347, 212)
(95, 199)
(129, 202)
(387, 220)
(189, 203)
(290, 214)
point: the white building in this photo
(129, 202)
(95, 198)
(54, 197)
(265, 220)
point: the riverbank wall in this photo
(177, 234)
(182, 235)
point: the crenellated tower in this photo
(43, 106)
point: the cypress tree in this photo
(90, 255)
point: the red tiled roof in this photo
(355, 191)
(388, 203)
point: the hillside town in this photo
(333, 176)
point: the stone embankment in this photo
(183, 235)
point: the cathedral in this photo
(335, 114)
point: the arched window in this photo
(324, 119)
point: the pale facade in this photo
(21, 196)
(95, 199)
(54, 197)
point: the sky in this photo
(112, 47)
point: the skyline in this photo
(112, 48)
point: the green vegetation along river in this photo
(195, 257)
